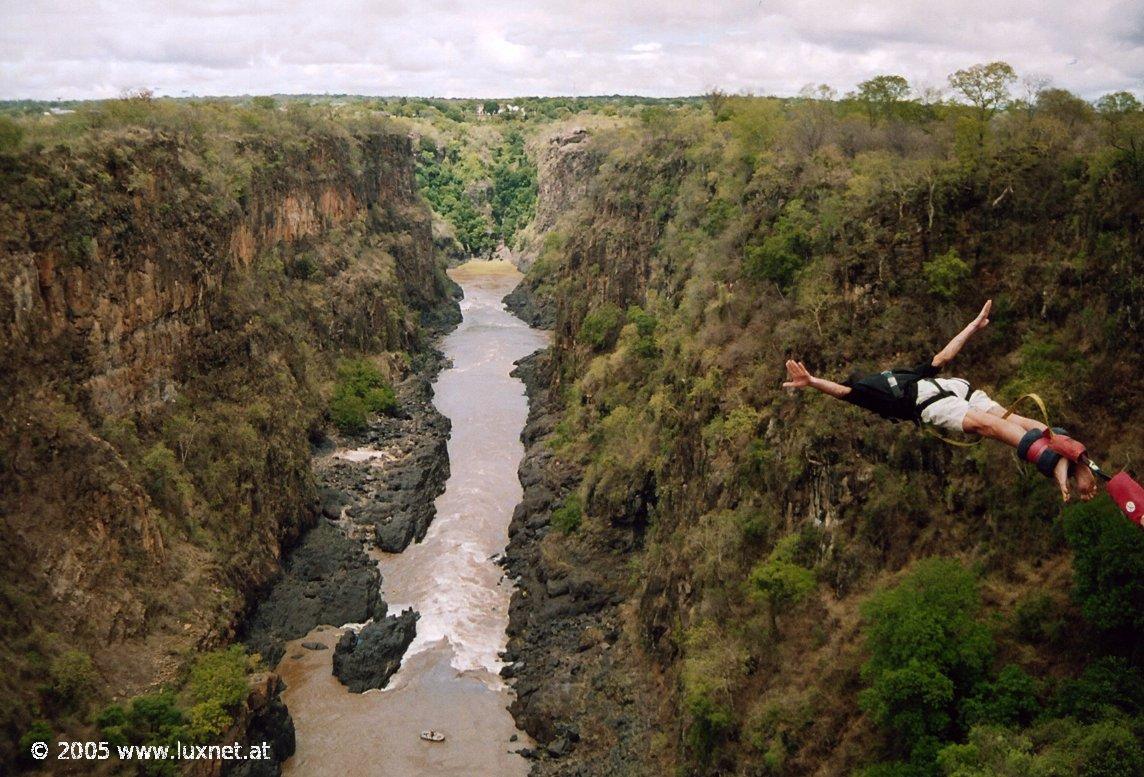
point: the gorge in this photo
(222, 429)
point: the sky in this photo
(69, 49)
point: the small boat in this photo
(432, 736)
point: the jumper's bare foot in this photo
(1085, 482)
(1061, 475)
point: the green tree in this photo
(11, 134)
(600, 327)
(986, 88)
(945, 274)
(927, 652)
(780, 580)
(1108, 569)
(881, 95)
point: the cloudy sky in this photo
(459, 48)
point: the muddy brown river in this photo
(449, 679)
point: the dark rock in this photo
(513, 738)
(332, 501)
(327, 578)
(527, 306)
(370, 657)
(559, 747)
(315, 646)
(269, 721)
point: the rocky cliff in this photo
(695, 544)
(171, 306)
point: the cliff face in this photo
(169, 307)
(693, 265)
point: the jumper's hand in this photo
(799, 376)
(982, 319)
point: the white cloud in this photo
(75, 48)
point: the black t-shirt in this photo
(873, 392)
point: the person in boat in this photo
(917, 394)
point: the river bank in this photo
(583, 691)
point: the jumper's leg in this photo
(994, 427)
(1020, 420)
(1061, 475)
(1010, 432)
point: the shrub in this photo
(39, 731)
(927, 650)
(156, 718)
(600, 327)
(381, 400)
(361, 389)
(113, 724)
(1106, 687)
(348, 412)
(780, 580)
(945, 274)
(11, 134)
(774, 259)
(217, 685)
(645, 324)
(1108, 568)
(567, 516)
(73, 678)
(163, 478)
(1009, 700)
(1036, 619)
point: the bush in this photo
(217, 685)
(927, 651)
(73, 678)
(945, 274)
(567, 516)
(774, 259)
(600, 327)
(1108, 568)
(11, 134)
(1037, 620)
(780, 580)
(1108, 686)
(645, 324)
(1009, 700)
(164, 480)
(156, 718)
(114, 724)
(361, 389)
(348, 412)
(39, 731)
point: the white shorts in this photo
(949, 413)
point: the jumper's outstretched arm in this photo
(799, 377)
(945, 355)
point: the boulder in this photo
(368, 658)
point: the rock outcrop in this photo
(328, 579)
(368, 658)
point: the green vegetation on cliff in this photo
(180, 280)
(777, 541)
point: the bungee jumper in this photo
(917, 394)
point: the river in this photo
(449, 679)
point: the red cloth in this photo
(1128, 495)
